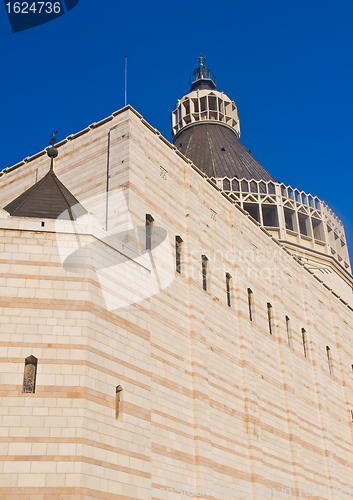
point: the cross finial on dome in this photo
(52, 152)
(53, 137)
(201, 59)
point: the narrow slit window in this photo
(288, 331)
(305, 342)
(204, 272)
(178, 244)
(117, 401)
(29, 376)
(269, 316)
(250, 303)
(228, 278)
(329, 360)
(149, 223)
(352, 415)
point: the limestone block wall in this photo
(64, 441)
(209, 395)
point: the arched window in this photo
(288, 331)
(117, 401)
(305, 342)
(228, 278)
(204, 272)
(250, 303)
(178, 245)
(149, 222)
(29, 376)
(269, 316)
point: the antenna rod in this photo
(125, 80)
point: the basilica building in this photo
(174, 321)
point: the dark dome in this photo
(216, 150)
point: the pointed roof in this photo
(47, 199)
(218, 152)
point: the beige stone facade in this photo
(209, 396)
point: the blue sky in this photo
(287, 65)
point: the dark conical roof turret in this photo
(47, 198)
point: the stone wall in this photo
(209, 397)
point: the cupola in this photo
(204, 104)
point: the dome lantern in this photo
(204, 104)
(202, 77)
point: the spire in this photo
(52, 152)
(48, 198)
(202, 77)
